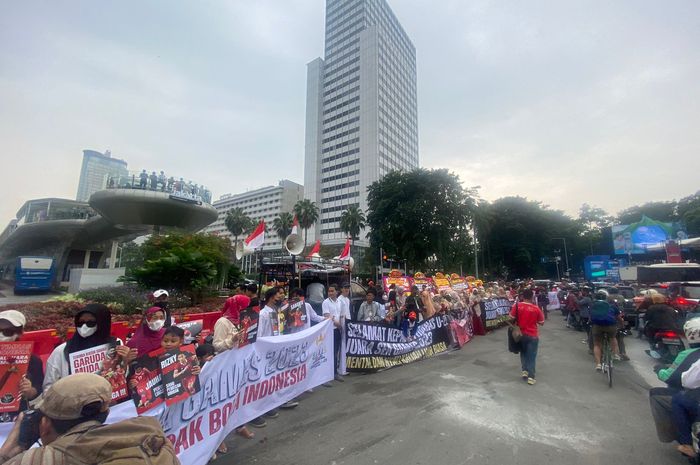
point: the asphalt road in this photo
(471, 407)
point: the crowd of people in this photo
(163, 183)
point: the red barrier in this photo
(45, 341)
(121, 329)
(208, 318)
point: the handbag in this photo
(515, 334)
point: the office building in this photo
(264, 203)
(361, 110)
(96, 170)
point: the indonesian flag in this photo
(315, 251)
(345, 254)
(295, 226)
(257, 237)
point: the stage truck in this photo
(300, 273)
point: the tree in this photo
(188, 262)
(237, 222)
(414, 215)
(659, 211)
(689, 213)
(307, 214)
(594, 220)
(283, 225)
(352, 221)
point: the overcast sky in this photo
(560, 101)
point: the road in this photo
(471, 407)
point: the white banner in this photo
(238, 386)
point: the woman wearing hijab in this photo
(93, 324)
(226, 328)
(149, 334)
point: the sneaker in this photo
(258, 422)
(531, 381)
(617, 358)
(624, 357)
(290, 404)
(599, 367)
(327, 385)
(524, 374)
(272, 413)
(339, 379)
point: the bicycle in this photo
(607, 358)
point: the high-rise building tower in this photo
(96, 170)
(361, 110)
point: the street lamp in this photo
(566, 255)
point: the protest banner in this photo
(397, 278)
(441, 282)
(14, 361)
(148, 391)
(496, 310)
(176, 367)
(248, 327)
(462, 327)
(373, 346)
(294, 316)
(192, 329)
(423, 282)
(102, 360)
(458, 283)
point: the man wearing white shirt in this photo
(268, 322)
(344, 299)
(308, 314)
(334, 308)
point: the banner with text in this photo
(236, 387)
(496, 310)
(373, 346)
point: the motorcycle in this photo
(666, 344)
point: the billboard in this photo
(634, 238)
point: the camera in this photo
(29, 428)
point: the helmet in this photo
(601, 295)
(692, 330)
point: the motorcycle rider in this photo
(660, 398)
(659, 317)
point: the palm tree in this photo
(307, 213)
(237, 222)
(283, 225)
(352, 221)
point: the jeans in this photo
(684, 411)
(528, 354)
(337, 339)
(660, 402)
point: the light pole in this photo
(566, 255)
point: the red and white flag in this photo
(257, 237)
(315, 251)
(345, 254)
(295, 226)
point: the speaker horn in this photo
(294, 244)
(242, 250)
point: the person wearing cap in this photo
(12, 324)
(161, 297)
(71, 416)
(93, 324)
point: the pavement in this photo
(8, 297)
(471, 407)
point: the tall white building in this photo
(361, 110)
(264, 203)
(95, 171)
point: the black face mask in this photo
(162, 305)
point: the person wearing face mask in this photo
(150, 332)
(93, 324)
(12, 325)
(161, 297)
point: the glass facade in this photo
(97, 168)
(362, 111)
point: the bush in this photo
(123, 299)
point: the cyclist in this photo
(605, 319)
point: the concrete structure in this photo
(97, 168)
(85, 235)
(264, 203)
(361, 110)
(91, 278)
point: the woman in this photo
(93, 325)
(149, 334)
(226, 334)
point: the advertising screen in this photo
(634, 238)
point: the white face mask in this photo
(85, 331)
(156, 325)
(12, 338)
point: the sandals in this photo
(245, 432)
(686, 450)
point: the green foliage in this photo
(234, 276)
(689, 213)
(283, 225)
(352, 221)
(307, 213)
(123, 299)
(415, 215)
(659, 211)
(237, 222)
(187, 262)
(131, 257)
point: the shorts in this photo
(599, 330)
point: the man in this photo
(333, 308)
(543, 301)
(251, 291)
(528, 316)
(309, 315)
(161, 297)
(71, 427)
(618, 300)
(143, 177)
(344, 299)
(12, 324)
(605, 319)
(369, 310)
(315, 293)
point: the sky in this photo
(562, 102)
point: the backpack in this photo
(137, 440)
(602, 313)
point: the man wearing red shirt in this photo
(527, 316)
